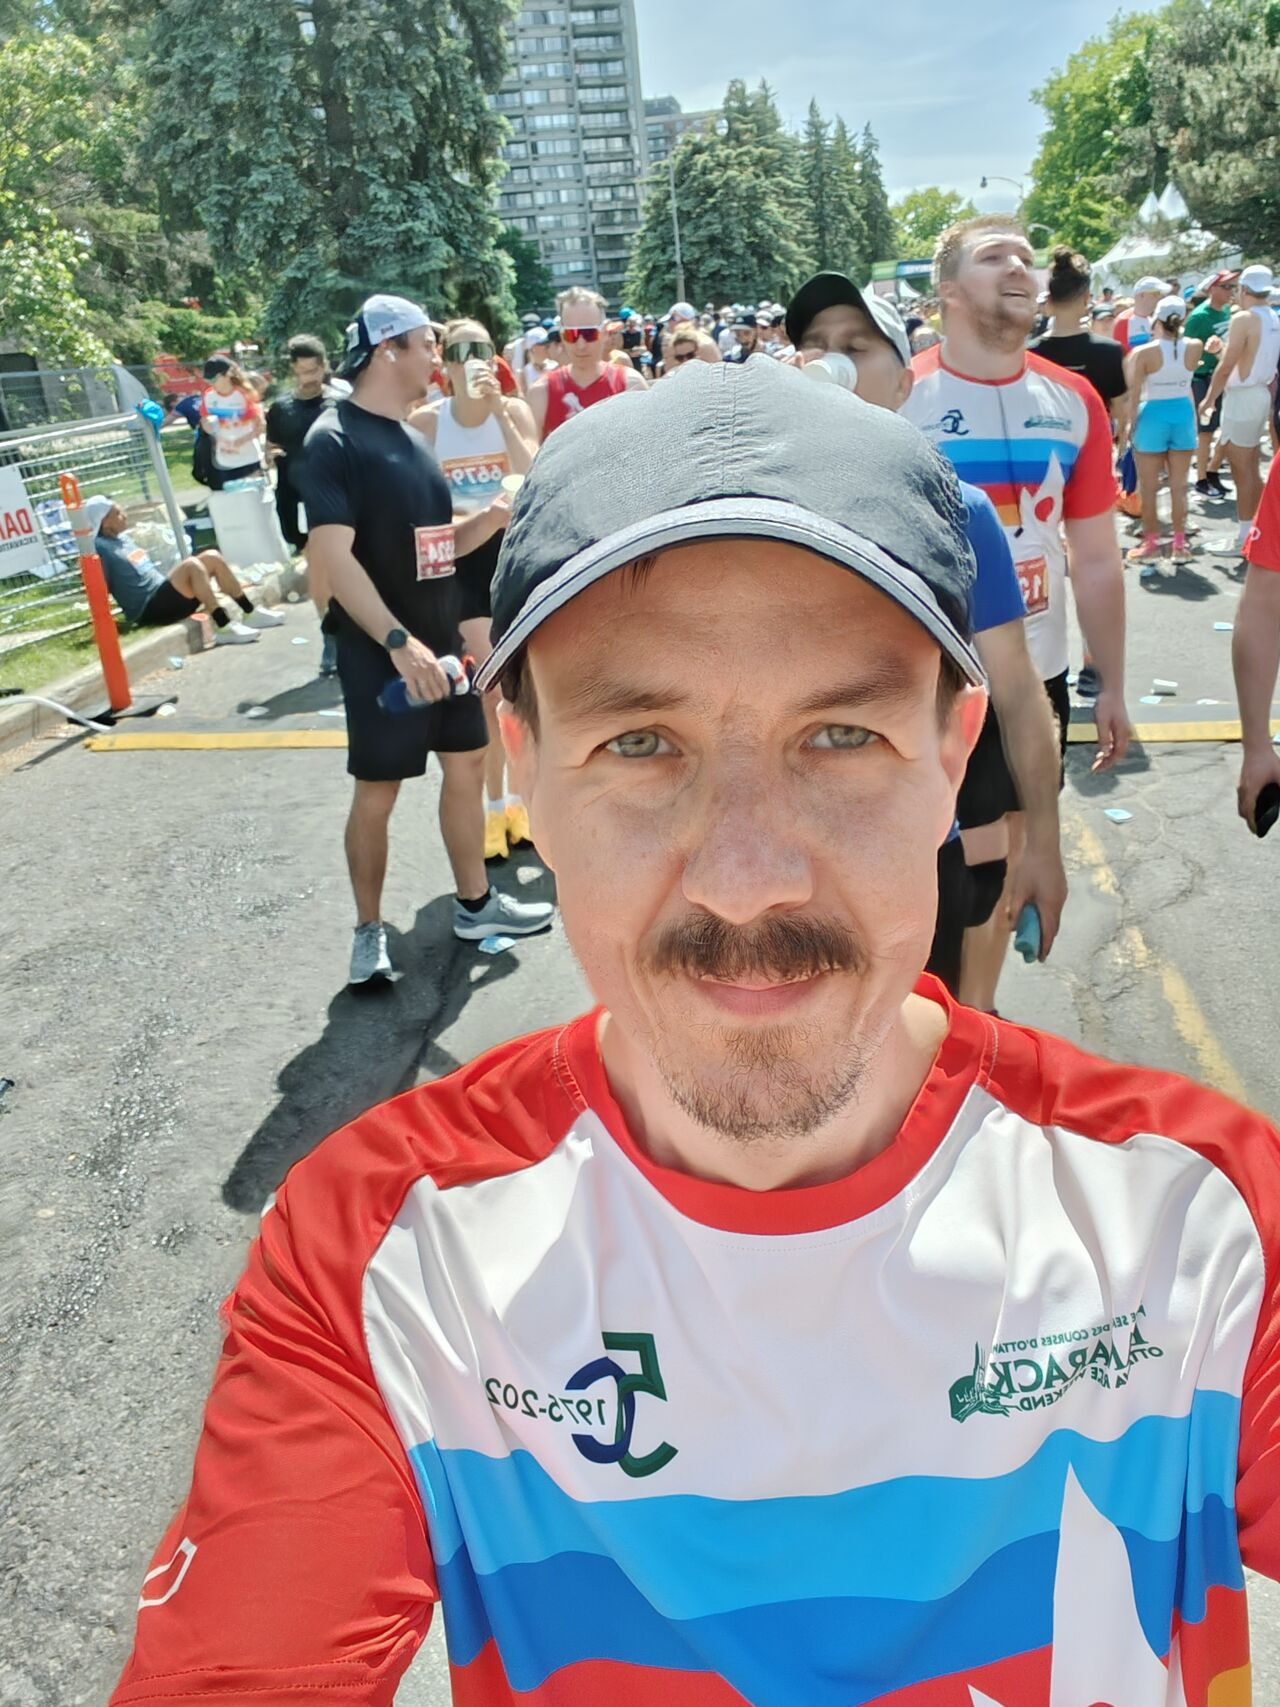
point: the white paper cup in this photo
(833, 369)
(471, 371)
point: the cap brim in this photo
(830, 290)
(733, 518)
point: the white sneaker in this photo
(234, 634)
(369, 956)
(261, 617)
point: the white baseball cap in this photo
(1257, 280)
(1151, 283)
(97, 509)
(682, 311)
(1170, 308)
(380, 318)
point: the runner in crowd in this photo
(746, 332)
(587, 377)
(289, 419)
(682, 348)
(1036, 439)
(1133, 325)
(480, 438)
(1255, 653)
(381, 516)
(1016, 758)
(778, 1331)
(1164, 427)
(151, 598)
(1067, 343)
(230, 412)
(1243, 379)
(1208, 321)
(517, 351)
(538, 363)
(1102, 318)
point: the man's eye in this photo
(843, 736)
(639, 744)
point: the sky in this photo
(946, 86)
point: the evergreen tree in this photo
(875, 201)
(851, 245)
(532, 285)
(331, 150)
(815, 154)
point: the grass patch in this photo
(38, 667)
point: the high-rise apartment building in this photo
(665, 123)
(577, 155)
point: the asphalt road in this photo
(173, 1014)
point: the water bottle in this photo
(395, 699)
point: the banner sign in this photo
(22, 548)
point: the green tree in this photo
(333, 149)
(876, 214)
(818, 186)
(741, 212)
(1091, 106)
(850, 251)
(922, 215)
(40, 308)
(1212, 80)
(532, 287)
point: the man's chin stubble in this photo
(767, 1094)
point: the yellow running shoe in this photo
(495, 835)
(518, 824)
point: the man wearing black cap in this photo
(778, 1332)
(746, 329)
(829, 313)
(383, 535)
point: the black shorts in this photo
(1200, 390)
(475, 579)
(288, 509)
(382, 748)
(954, 910)
(988, 791)
(167, 605)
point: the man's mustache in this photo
(777, 950)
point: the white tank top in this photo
(1264, 363)
(472, 459)
(1172, 378)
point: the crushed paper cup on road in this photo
(1151, 699)
(176, 663)
(1117, 814)
(1223, 627)
(331, 711)
(170, 710)
(496, 944)
(1208, 702)
(1160, 686)
(256, 711)
(298, 640)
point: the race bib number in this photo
(475, 481)
(1033, 579)
(435, 552)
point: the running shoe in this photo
(328, 655)
(1180, 551)
(369, 957)
(1088, 682)
(518, 824)
(1217, 487)
(1147, 552)
(234, 634)
(495, 835)
(261, 617)
(1204, 490)
(501, 915)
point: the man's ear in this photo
(906, 384)
(964, 725)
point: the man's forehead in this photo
(1001, 242)
(841, 316)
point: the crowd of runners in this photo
(1069, 412)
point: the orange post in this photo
(114, 673)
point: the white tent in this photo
(1144, 252)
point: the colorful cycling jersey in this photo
(1039, 446)
(995, 1419)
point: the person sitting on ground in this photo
(150, 598)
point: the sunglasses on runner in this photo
(588, 334)
(684, 355)
(470, 350)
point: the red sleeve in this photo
(298, 1568)
(204, 405)
(1092, 487)
(1120, 330)
(506, 379)
(1262, 548)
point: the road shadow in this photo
(318, 695)
(377, 1041)
(1181, 582)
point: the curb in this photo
(83, 691)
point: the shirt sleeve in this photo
(1091, 490)
(299, 1566)
(1262, 547)
(997, 597)
(325, 481)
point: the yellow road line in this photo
(1214, 1064)
(206, 741)
(1154, 734)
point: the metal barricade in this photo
(119, 456)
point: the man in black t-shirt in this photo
(382, 532)
(289, 420)
(1099, 360)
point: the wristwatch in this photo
(396, 638)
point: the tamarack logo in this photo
(1028, 1375)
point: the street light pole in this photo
(675, 230)
(987, 178)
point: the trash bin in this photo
(246, 525)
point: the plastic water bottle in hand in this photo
(395, 699)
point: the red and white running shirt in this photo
(995, 1419)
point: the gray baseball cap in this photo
(827, 290)
(733, 451)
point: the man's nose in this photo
(748, 852)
